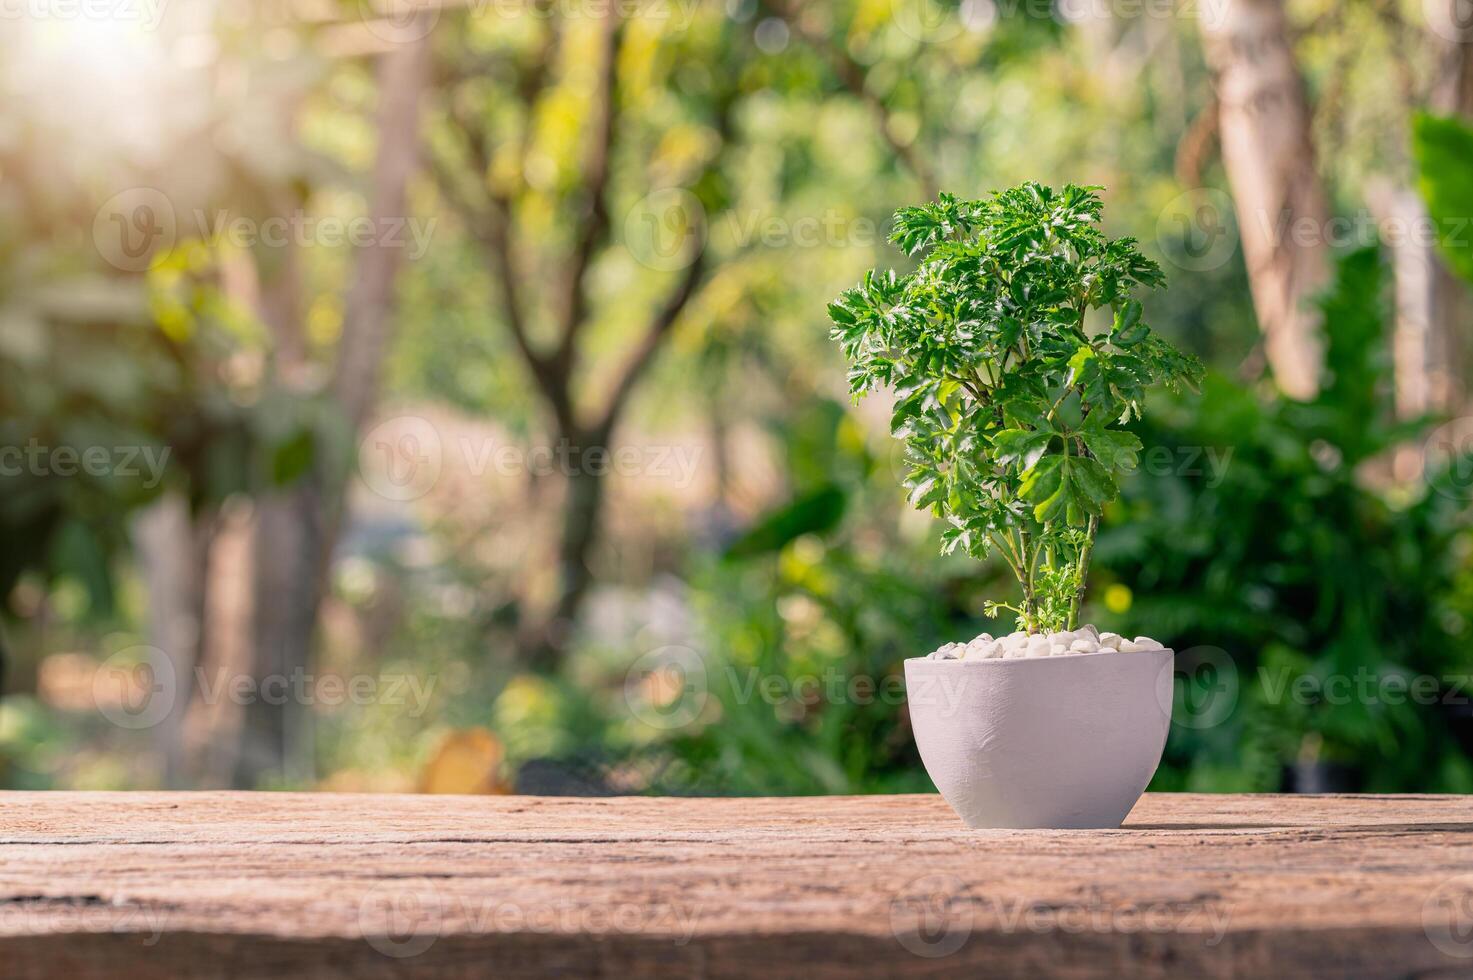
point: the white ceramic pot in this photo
(1062, 742)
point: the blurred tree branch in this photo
(1194, 149)
(594, 222)
(855, 79)
(489, 211)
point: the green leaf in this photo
(840, 313)
(955, 536)
(1021, 446)
(1088, 477)
(908, 409)
(1127, 315)
(1045, 488)
(1025, 410)
(1068, 487)
(1128, 329)
(927, 492)
(1114, 448)
(813, 513)
(1443, 146)
(292, 457)
(1081, 361)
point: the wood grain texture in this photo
(285, 885)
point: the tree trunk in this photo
(583, 503)
(1452, 88)
(1452, 94)
(1431, 302)
(212, 726)
(403, 74)
(1424, 338)
(288, 555)
(1282, 214)
(296, 528)
(173, 548)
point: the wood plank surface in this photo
(286, 885)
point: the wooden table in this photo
(280, 885)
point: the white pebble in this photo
(977, 648)
(1020, 644)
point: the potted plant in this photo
(1012, 399)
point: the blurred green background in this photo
(439, 398)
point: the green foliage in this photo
(1011, 408)
(1443, 146)
(812, 513)
(133, 375)
(1299, 578)
(804, 661)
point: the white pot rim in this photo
(1024, 660)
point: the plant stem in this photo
(1030, 564)
(1009, 558)
(1033, 579)
(1084, 554)
(1068, 387)
(1025, 578)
